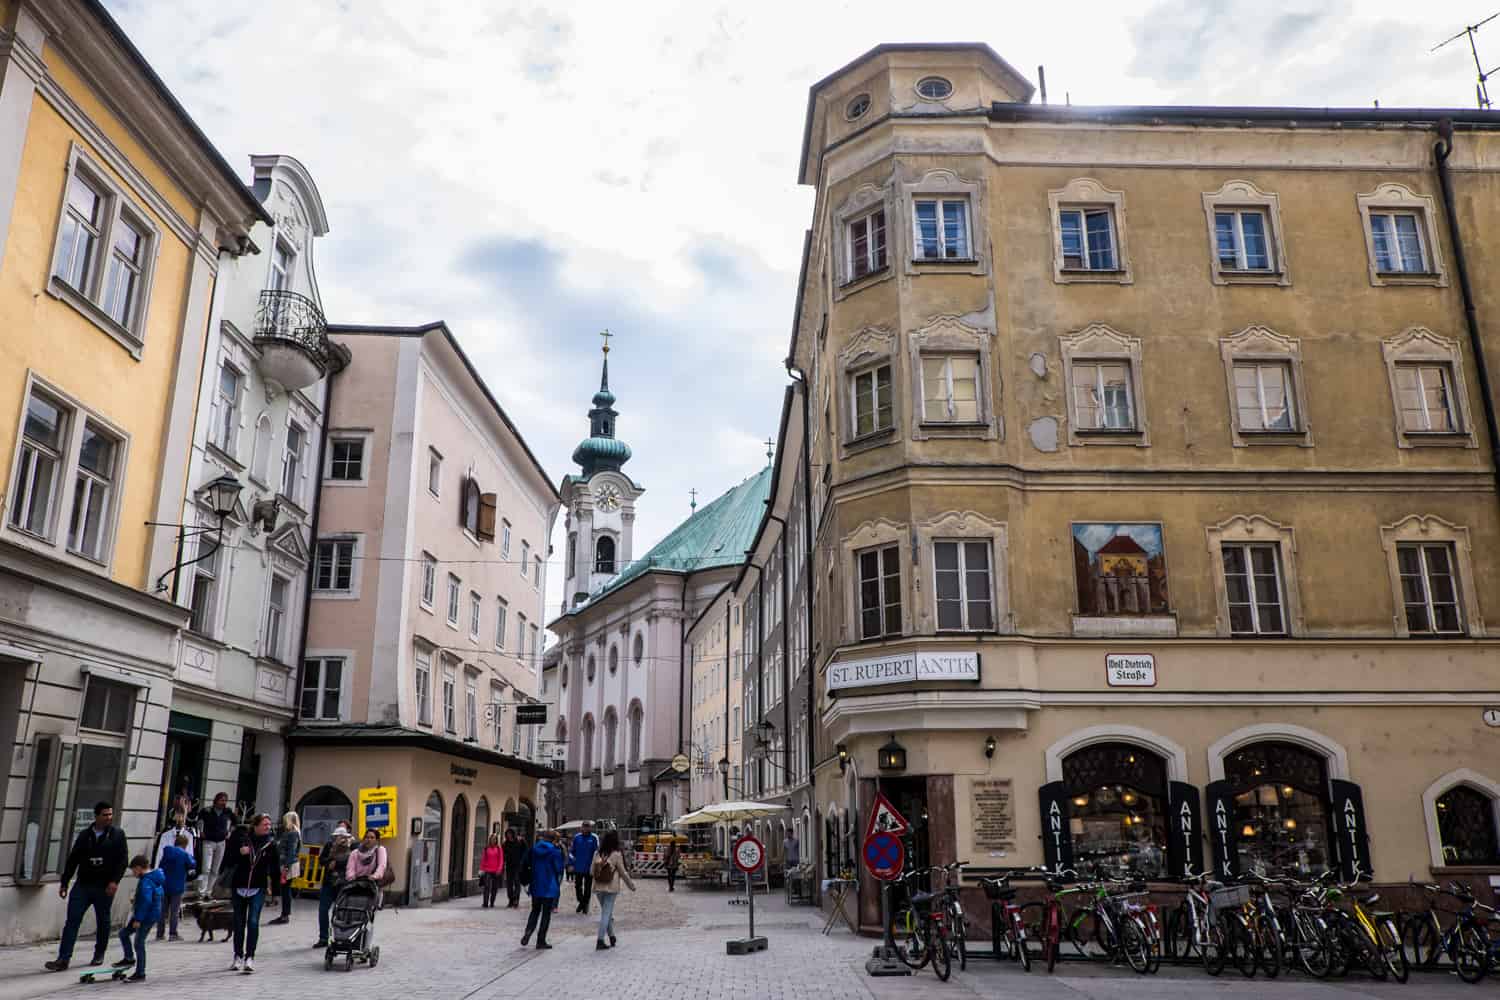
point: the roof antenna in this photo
(1041, 79)
(1481, 89)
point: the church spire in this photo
(601, 450)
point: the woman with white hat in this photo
(334, 856)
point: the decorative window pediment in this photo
(1401, 241)
(951, 337)
(1103, 379)
(865, 227)
(1267, 391)
(1252, 530)
(961, 526)
(1089, 240)
(879, 533)
(1245, 244)
(1428, 530)
(942, 225)
(1429, 396)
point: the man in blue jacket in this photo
(581, 860)
(547, 864)
(147, 911)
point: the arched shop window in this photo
(481, 832)
(1118, 799)
(432, 832)
(1466, 824)
(1281, 813)
(322, 809)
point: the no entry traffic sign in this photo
(748, 854)
(884, 856)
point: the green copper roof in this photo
(717, 534)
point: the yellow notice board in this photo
(377, 811)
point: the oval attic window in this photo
(857, 107)
(934, 88)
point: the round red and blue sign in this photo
(884, 855)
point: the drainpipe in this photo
(307, 588)
(682, 665)
(728, 599)
(1442, 150)
(786, 651)
(808, 579)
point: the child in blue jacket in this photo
(176, 863)
(147, 911)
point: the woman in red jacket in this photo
(490, 867)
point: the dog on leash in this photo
(212, 915)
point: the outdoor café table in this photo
(838, 888)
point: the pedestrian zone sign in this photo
(885, 819)
(377, 811)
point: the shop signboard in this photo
(1057, 827)
(1184, 830)
(1223, 834)
(377, 810)
(903, 668)
(1351, 837)
(529, 714)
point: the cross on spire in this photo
(606, 335)
(694, 503)
(770, 450)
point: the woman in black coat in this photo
(254, 868)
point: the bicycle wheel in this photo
(1082, 931)
(1267, 949)
(1367, 950)
(1133, 945)
(1471, 953)
(911, 941)
(1052, 934)
(999, 933)
(1215, 949)
(958, 946)
(1391, 950)
(1241, 947)
(1180, 941)
(1018, 933)
(1310, 947)
(1423, 940)
(1154, 945)
(937, 950)
(1029, 931)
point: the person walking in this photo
(215, 825)
(673, 861)
(608, 873)
(547, 865)
(513, 850)
(147, 911)
(250, 856)
(98, 857)
(289, 850)
(177, 828)
(176, 864)
(491, 865)
(335, 858)
(581, 860)
(369, 860)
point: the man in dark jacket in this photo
(581, 860)
(98, 858)
(216, 823)
(514, 849)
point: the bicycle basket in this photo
(1229, 898)
(997, 888)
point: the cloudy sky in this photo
(534, 174)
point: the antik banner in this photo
(903, 668)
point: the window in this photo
(434, 472)
(424, 687)
(872, 401)
(107, 707)
(291, 461)
(1466, 827)
(500, 609)
(1102, 396)
(1281, 809)
(82, 231)
(468, 497)
(1118, 807)
(638, 649)
(961, 575)
(281, 267)
(515, 731)
(934, 88)
(1429, 590)
(432, 831)
(429, 580)
(494, 712)
(1240, 239)
(867, 244)
(857, 107)
(521, 637)
(586, 737)
(1263, 396)
(322, 687)
(454, 586)
(346, 460)
(122, 281)
(525, 557)
(276, 605)
(1267, 395)
(450, 722)
(203, 597)
(950, 388)
(1252, 578)
(590, 670)
(1088, 239)
(224, 431)
(941, 228)
(536, 576)
(611, 728)
(471, 712)
(1398, 242)
(333, 566)
(880, 592)
(604, 555)
(38, 474)
(504, 539)
(474, 615)
(636, 720)
(614, 660)
(1424, 397)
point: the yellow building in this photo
(114, 211)
(1235, 338)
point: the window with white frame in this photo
(941, 228)
(450, 720)
(867, 244)
(1424, 398)
(873, 409)
(434, 472)
(879, 591)
(93, 491)
(525, 557)
(515, 730)
(1263, 396)
(83, 225)
(454, 586)
(497, 715)
(333, 565)
(346, 459)
(963, 588)
(521, 637)
(1088, 238)
(471, 711)
(474, 614)
(123, 277)
(1242, 239)
(322, 688)
(1401, 240)
(39, 477)
(1398, 243)
(424, 687)
(950, 388)
(429, 580)
(1253, 582)
(224, 430)
(1429, 588)
(1245, 243)
(282, 259)
(500, 610)
(203, 594)
(504, 539)
(292, 459)
(276, 608)
(536, 566)
(1102, 396)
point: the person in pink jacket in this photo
(491, 865)
(368, 859)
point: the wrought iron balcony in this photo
(293, 339)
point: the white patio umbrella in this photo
(692, 819)
(735, 812)
(572, 824)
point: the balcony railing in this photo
(287, 319)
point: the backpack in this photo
(604, 873)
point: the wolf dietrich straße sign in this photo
(1130, 669)
(903, 668)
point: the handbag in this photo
(296, 870)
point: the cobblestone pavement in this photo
(671, 948)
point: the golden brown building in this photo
(1154, 501)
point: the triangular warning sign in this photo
(885, 819)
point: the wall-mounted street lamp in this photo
(989, 748)
(892, 756)
(843, 752)
(223, 496)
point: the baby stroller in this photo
(352, 925)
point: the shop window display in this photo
(1118, 801)
(1466, 822)
(1281, 809)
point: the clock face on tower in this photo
(607, 497)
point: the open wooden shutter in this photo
(1350, 836)
(1223, 834)
(1057, 833)
(1184, 829)
(488, 506)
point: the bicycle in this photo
(1007, 921)
(1196, 925)
(1371, 936)
(953, 907)
(1465, 942)
(1304, 931)
(925, 935)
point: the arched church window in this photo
(604, 555)
(614, 660)
(572, 551)
(638, 651)
(637, 717)
(589, 676)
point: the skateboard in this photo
(88, 975)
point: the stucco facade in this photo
(1083, 382)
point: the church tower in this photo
(600, 501)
